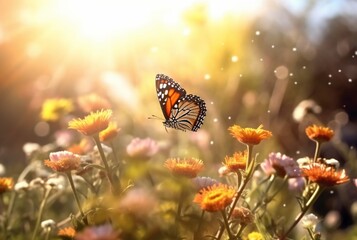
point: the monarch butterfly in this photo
(181, 111)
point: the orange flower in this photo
(215, 198)
(6, 184)
(236, 162)
(324, 175)
(63, 161)
(184, 167)
(81, 148)
(249, 136)
(68, 232)
(93, 102)
(109, 133)
(319, 134)
(92, 123)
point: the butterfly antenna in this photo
(155, 117)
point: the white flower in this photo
(310, 221)
(303, 161)
(49, 223)
(22, 185)
(29, 148)
(305, 107)
(37, 182)
(223, 171)
(56, 182)
(332, 163)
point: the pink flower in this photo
(103, 232)
(142, 148)
(203, 182)
(138, 202)
(296, 184)
(63, 161)
(281, 165)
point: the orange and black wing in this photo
(168, 92)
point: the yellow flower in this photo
(92, 123)
(6, 184)
(255, 236)
(184, 167)
(237, 162)
(109, 133)
(54, 108)
(319, 134)
(249, 136)
(93, 102)
(63, 161)
(215, 198)
(324, 175)
(68, 232)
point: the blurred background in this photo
(283, 64)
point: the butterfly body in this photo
(181, 111)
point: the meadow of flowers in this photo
(80, 187)
(84, 153)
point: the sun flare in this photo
(105, 20)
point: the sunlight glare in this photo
(100, 20)
(103, 20)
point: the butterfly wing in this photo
(188, 114)
(168, 92)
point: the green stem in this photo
(226, 224)
(265, 193)
(311, 233)
(311, 200)
(48, 231)
(250, 169)
(70, 180)
(9, 212)
(317, 151)
(196, 234)
(178, 214)
(104, 159)
(249, 157)
(116, 159)
(115, 154)
(42, 207)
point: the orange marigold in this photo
(236, 162)
(67, 232)
(92, 123)
(215, 198)
(324, 175)
(185, 167)
(319, 134)
(109, 133)
(249, 136)
(63, 161)
(6, 184)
